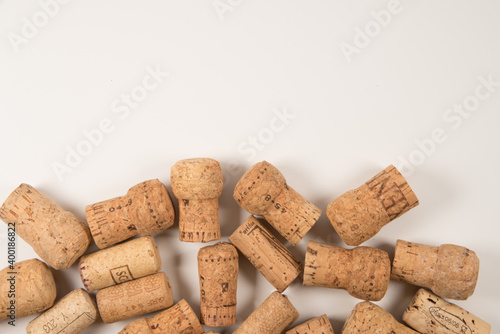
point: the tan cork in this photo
(56, 235)
(31, 287)
(318, 325)
(118, 264)
(70, 315)
(363, 271)
(273, 316)
(450, 271)
(146, 209)
(428, 313)
(263, 191)
(218, 275)
(211, 332)
(180, 318)
(359, 214)
(127, 300)
(266, 253)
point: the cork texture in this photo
(318, 325)
(56, 235)
(263, 191)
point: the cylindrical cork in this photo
(119, 264)
(428, 313)
(363, 271)
(266, 253)
(218, 274)
(359, 214)
(70, 315)
(26, 288)
(180, 318)
(197, 185)
(273, 316)
(318, 325)
(56, 235)
(263, 191)
(450, 271)
(127, 300)
(146, 209)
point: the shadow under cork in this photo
(229, 210)
(337, 324)
(245, 306)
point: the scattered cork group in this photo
(124, 278)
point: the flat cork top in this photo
(196, 179)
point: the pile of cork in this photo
(126, 274)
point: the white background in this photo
(228, 74)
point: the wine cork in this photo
(197, 185)
(127, 300)
(428, 313)
(363, 271)
(70, 315)
(273, 316)
(56, 235)
(180, 318)
(118, 264)
(146, 209)
(211, 332)
(318, 325)
(359, 214)
(218, 274)
(263, 191)
(450, 271)
(26, 288)
(266, 253)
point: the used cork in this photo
(273, 316)
(318, 325)
(197, 185)
(263, 191)
(359, 214)
(127, 300)
(363, 271)
(56, 235)
(450, 271)
(266, 253)
(146, 209)
(26, 288)
(218, 275)
(428, 313)
(70, 315)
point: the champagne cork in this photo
(180, 318)
(318, 325)
(127, 300)
(146, 209)
(266, 253)
(56, 235)
(218, 274)
(211, 332)
(450, 271)
(197, 185)
(359, 214)
(363, 271)
(118, 264)
(70, 315)
(263, 191)
(428, 313)
(273, 316)
(26, 288)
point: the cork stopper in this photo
(263, 191)
(368, 318)
(146, 209)
(273, 316)
(70, 315)
(118, 264)
(218, 274)
(318, 325)
(127, 300)
(266, 253)
(359, 214)
(197, 185)
(450, 271)
(56, 235)
(34, 289)
(363, 271)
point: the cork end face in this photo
(5, 210)
(196, 179)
